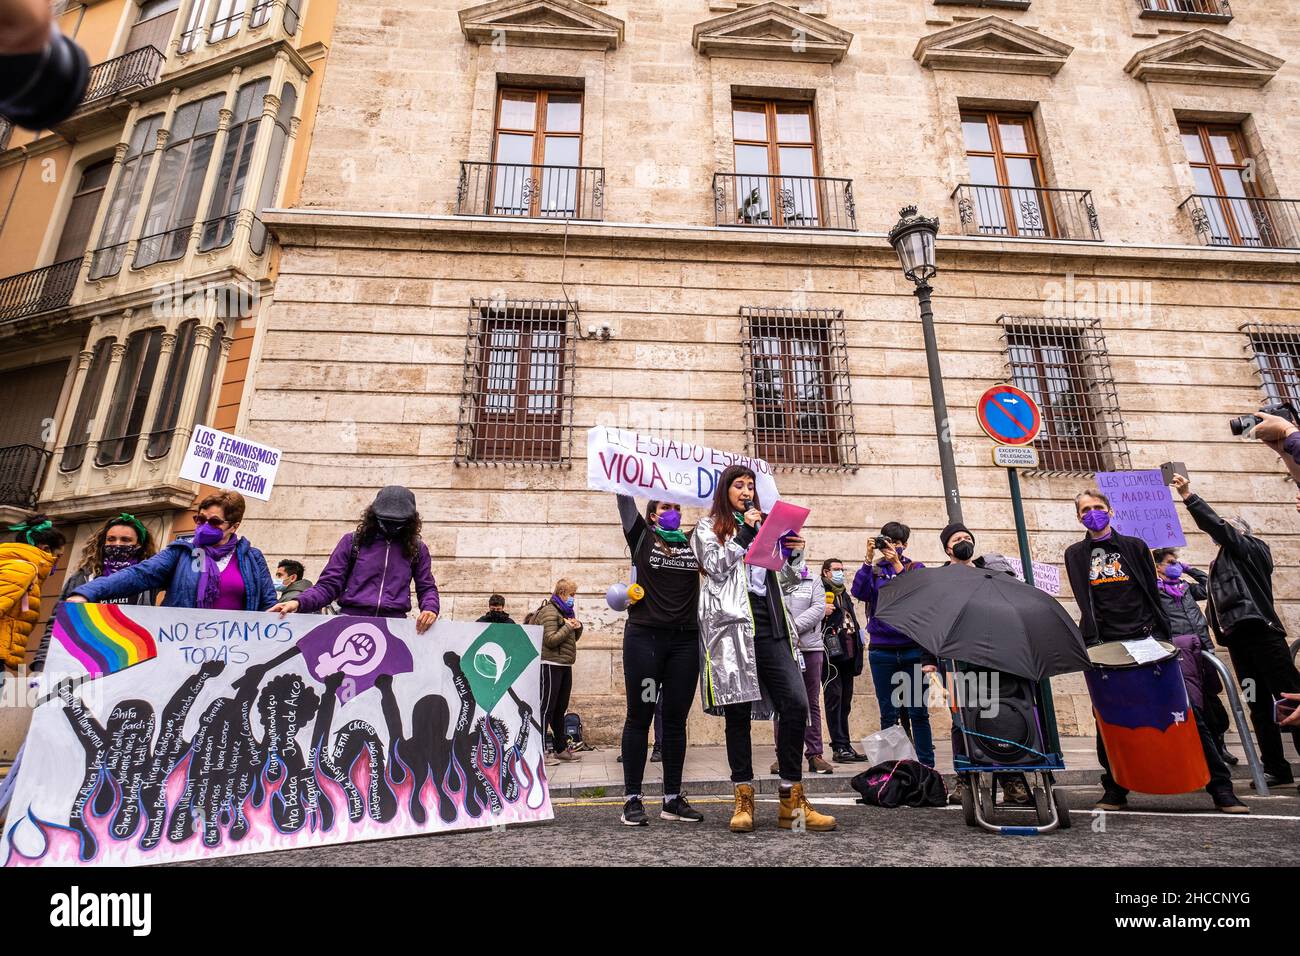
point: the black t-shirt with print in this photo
(671, 578)
(1117, 601)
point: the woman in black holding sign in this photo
(660, 653)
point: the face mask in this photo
(963, 550)
(205, 535)
(120, 553)
(837, 577)
(1096, 520)
(1173, 572)
(670, 520)
(390, 527)
(280, 585)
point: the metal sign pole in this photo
(1027, 563)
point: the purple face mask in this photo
(670, 520)
(205, 535)
(1173, 572)
(1096, 520)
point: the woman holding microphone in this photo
(750, 664)
(661, 656)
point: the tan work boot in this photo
(795, 807)
(742, 820)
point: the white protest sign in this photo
(645, 466)
(1047, 577)
(228, 461)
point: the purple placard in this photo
(1144, 507)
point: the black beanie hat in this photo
(946, 534)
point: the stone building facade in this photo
(528, 217)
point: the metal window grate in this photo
(798, 402)
(516, 406)
(1275, 350)
(1064, 365)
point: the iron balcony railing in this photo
(107, 261)
(40, 290)
(1245, 221)
(1214, 11)
(1027, 212)
(129, 71)
(21, 469)
(785, 202)
(162, 246)
(530, 191)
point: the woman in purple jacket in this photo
(371, 570)
(890, 652)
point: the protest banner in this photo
(228, 461)
(173, 734)
(645, 466)
(1144, 507)
(1047, 577)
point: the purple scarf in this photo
(566, 607)
(209, 588)
(1175, 589)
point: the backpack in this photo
(573, 729)
(897, 783)
(531, 616)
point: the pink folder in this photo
(783, 519)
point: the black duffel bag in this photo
(900, 783)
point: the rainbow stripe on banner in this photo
(102, 638)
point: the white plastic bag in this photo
(891, 743)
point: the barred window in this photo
(1276, 350)
(1063, 364)
(516, 405)
(798, 404)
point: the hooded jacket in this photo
(495, 617)
(729, 674)
(377, 584)
(559, 641)
(1241, 576)
(23, 569)
(173, 569)
(1136, 555)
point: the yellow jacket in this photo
(23, 569)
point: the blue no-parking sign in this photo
(1008, 415)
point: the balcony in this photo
(104, 103)
(1027, 212)
(22, 467)
(801, 202)
(1245, 221)
(1203, 11)
(520, 190)
(41, 290)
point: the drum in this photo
(1145, 720)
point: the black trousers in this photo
(1262, 657)
(838, 696)
(659, 667)
(779, 674)
(557, 685)
(1220, 784)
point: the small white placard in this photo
(228, 461)
(1015, 456)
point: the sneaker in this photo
(568, 756)
(656, 756)
(1228, 803)
(1111, 801)
(817, 765)
(1229, 757)
(857, 757)
(1275, 780)
(678, 809)
(742, 818)
(844, 756)
(634, 814)
(795, 806)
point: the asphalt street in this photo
(1155, 831)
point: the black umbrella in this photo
(985, 618)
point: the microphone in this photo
(748, 503)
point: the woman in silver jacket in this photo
(747, 641)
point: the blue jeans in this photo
(908, 689)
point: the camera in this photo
(55, 82)
(881, 542)
(1244, 423)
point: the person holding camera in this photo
(842, 638)
(1276, 427)
(895, 659)
(1245, 621)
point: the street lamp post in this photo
(913, 240)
